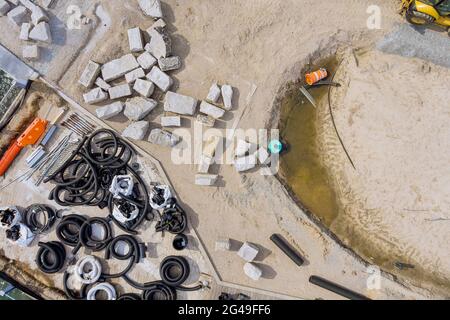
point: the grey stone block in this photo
(138, 108)
(248, 252)
(211, 110)
(144, 88)
(135, 40)
(95, 96)
(110, 110)
(17, 15)
(132, 76)
(245, 163)
(180, 104)
(227, 96)
(146, 60)
(89, 74)
(172, 121)
(252, 271)
(120, 91)
(169, 63)
(119, 67)
(160, 79)
(4, 7)
(206, 120)
(31, 52)
(160, 45)
(223, 244)
(214, 93)
(99, 82)
(25, 31)
(160, 23)
(163, 138)
(136, 130)
(151, 8)
(207, 180)
(41, 32)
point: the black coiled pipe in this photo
(51, 257)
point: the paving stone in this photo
(248, 252)
(95, 96)
(110, 110)
(223, 244)
(169, 63)
(120, 91)
(163, 138)
(227, 96)
(180, 104)
(4, 7)
(31, 52)
(146, 60)
(151, 8)
(171, 121)
(207, 180)
(245, 163)
(99, 82)
(160, 79)
(41, 32)
(135, 40)
(25, 31)
(136, 130)
(119, 67)
(206, 120)
(160, 45)
(132, 76)
(211, 110)
(144, 88)
(138, 108)
(18, 15)
(89, 74)
(252, 271)
(214, 93)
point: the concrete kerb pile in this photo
(32, 24)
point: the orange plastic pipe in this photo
(316, 76)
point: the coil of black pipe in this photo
(133, 254)
(68, 230)
(87, 239)
(51, 257)
(33, 214)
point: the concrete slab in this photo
(95, 96)
(135, 40)
(144, 88)
(172, 121)
(41, 32)
(132, 76)
(89, 74)
(136, 130)
(138, 108)
(211, 110)
(207, 180)
(180, 104)
(119, 67)
(160, 79)
(120, 91)
(110, 110)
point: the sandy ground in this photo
(262, 43)
(393, 122)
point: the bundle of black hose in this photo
(173, 220)
(336, 288)
(159, 291)
(39, 218)
(129, 297)
(89, 241)
(287, 249)
(51, 257)
(132, 249)
(174, 270)
(68, 230)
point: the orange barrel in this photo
(316, 76)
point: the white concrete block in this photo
(136, 130)
(163, 138)
(223, 244)
(245, 163)
(4, 7)
(160, 45)
(214, 93)
(132, 76)
(248, 252)
(119, 67)
(144, 88)
(242, 147)
(138, 108)
(135, 40)
(41, 32)
(227, 96)
(169, 63)
(89, 74)
(160, 23)
(25, 31)
(263, 156)
(30, 52)
(211, 110)
(205, 120)
(173, 121)
(252, 271)
(205, 163)
(207, 180)
(95, 96)
(38, 15)
(151, 8)
(160, 79)
(17, 15)
(110, 110)
(210, 146)
(146, 60)
(180, 104)
(99, 82)
(120, 91)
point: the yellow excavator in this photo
(427, 12)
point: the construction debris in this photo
(169, 63)
(206, 120)
(252, 271)
(120, 91)
(180, 104)
(160, 79)
(95, 96)
(151, 8)
(138, 108)
(206, 179)
(263, 156)
(119, 67)
(89, 75)
(136, 130)
(163, 138)
(227, 97)
(109, 111)
(248, 252)
(160, 45)
(211, 110)
(135, 40)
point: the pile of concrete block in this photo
(217, 103)
(31, 22)
(247, 156)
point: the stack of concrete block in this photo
(210, 108)
(136, 130)
(138, 108)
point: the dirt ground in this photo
(260, 44)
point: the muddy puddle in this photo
(301, 167)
